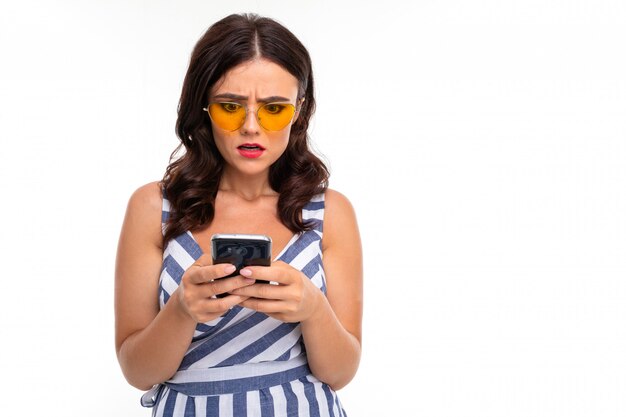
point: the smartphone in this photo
(241, 250)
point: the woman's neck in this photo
(248, 187)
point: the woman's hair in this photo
(191, 182)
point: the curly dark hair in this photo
(191, 181)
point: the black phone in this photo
(241, 250)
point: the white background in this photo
(482, 143)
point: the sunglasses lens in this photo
(276, 116)
(228, 116)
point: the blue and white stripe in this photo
(245, 363)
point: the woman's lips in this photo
(250, 150)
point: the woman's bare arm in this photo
(150, 344)
(332, 335)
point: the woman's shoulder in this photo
(148, 197)
(339, 216)
(142, 221)
(340, 224)
(145, 206)
(336, 202)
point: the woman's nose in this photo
(251, 124)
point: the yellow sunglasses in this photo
(231, 116)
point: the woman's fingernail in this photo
(246, 272)
(229, 269)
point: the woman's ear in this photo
(298, 107)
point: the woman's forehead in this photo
(257, 78)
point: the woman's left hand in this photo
(294, 299)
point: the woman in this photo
(258, 349)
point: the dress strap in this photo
(313, 211)
(165, 209)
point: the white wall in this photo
(483, 144)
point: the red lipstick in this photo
(250, 150)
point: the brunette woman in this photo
(258, 349)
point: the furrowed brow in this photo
(271, 99)
(231, 96)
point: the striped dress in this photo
(245, 363)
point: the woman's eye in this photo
(274, 108)
(230, 107)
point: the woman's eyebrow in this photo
(238, 97)
(231, 96)
(273, 98)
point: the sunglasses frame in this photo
(296, 109)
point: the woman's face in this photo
(251, 148)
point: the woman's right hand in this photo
(201, 282)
